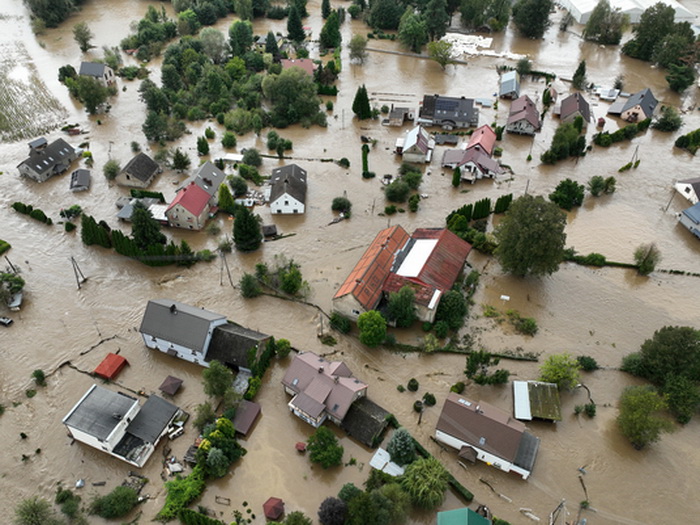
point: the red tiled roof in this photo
(192, 198)
(483, 137)
(111, 366)
(367, 277)
(423, 293)
(446, 260)
(304, 63)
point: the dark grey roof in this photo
(38, 143)
(178, 323)
(290, 179)
(142, 167)
(231, 342)
(99, 411)
(439, 107)
(365, 421)
(92, 69)
(57, 154)
(80, 179)
(208, 177)
(155, 414)
(645, 99)
(527, 451)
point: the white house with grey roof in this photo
(690, 189)
(116, 424)
(636, 108)
(288, 190)
(179, 330)
(100, 72)
(139, 172)
(46, 160)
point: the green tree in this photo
(204, 415)
(216, 379)
(477, 369)
(249, 286)
(145, 230)
(358, 48)
(341, 204)
(247, 235)
(217, 463)
(668, 120)
(324, 448)
(639, 418)
(240, 35)
(372, 328)
(244, 9)
(155, 127)
(672, 351)
(385, 14)
(325, 9)
(531, 237)
(360, 104)
(330, 33)
(579, 80)
(402, 307)
(567, 142)
(523, 67)
(680, 77)
(187, 22)
(293, 96)
(456, 177)
(111, 169)
(425, 481)
(226, 201)
(531, 17)
(605, 25)
(214, 44)
(436, 18)
(295, 31)
(562, 370)
(91, 93)
(271, 44)
(596, 185)
(181, 161)
(397, 191)
(413, 32)
(82, 36)
(452, 309)
(52, 12)
(654, 24)
(35, 511)
(116, 504)
(567, 194)
(401, 447)
(646, 256)
(683, 396)
(333, 511)
(441, 52)
(297, 518)
(202, 146)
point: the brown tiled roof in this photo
(367, 277)
(524, 108)
(575, 102)
(483, 137)
(247, 413)
(481, 425)
(446, 260)
(422, 293)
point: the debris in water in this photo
(80, 483)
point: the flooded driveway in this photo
(605, 313)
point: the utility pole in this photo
(79, 277)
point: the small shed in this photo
(247, 414)
(171, 385)
(80, 180)
(382, 461)
(273, 508)
(535, 399)
(269, 230)
(110, 366)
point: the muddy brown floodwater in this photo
(605, 313)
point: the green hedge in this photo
(4, 246)
(142, 194)
(191, 517)
(182, 492)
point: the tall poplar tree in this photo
(295, 30)
(247, 235)
(360, 105)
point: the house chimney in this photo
(320, 369)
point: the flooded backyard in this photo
(605, 313)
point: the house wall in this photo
(124, 179)
(687, 191)
(481, 455)
(634, 114)
(306, 417)
(471, 172)
(523, 127)
(287, 204)
(413, 155)
(29, 172)
(348, 306)
(114, 437)
(179, 217)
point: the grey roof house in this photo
(209, 178)
(478, 430)
(46, 160)
(321, 389)
(448, 112)
(179, 329)
(80, 180)
(116, 424)
(236, 346)
(690, 218)
(573, 106)
(288, 190)
(638, 107)
(139, 172)
(99, 71)
(509, 85)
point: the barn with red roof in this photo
(429, 261)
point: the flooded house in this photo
(46, 160)
(429, 261)
(475, 162)
(638, 107)
(99, 71)
(139, 172)
(575, 105)
(509, 85)
(448, 112)
(690, 219)
(80, 180)
(523, 118)
(321, 389)
(480, 431)
(416, 147)
(288, 190)
(198, 335)
(581, 10)
(117, 424)
(195, 202)
(690, 189)
(536, 400)
(305, 64)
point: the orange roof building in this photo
(483, 139)
(110, 366)
(429, 261)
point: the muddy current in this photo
(605, 313)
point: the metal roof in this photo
(535, 399)
(178, 323)
(693, 213)
(92, 69)
(155, 414)
(99, 411)
(463, 516)
(510, 83)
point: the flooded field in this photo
(605, 313)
